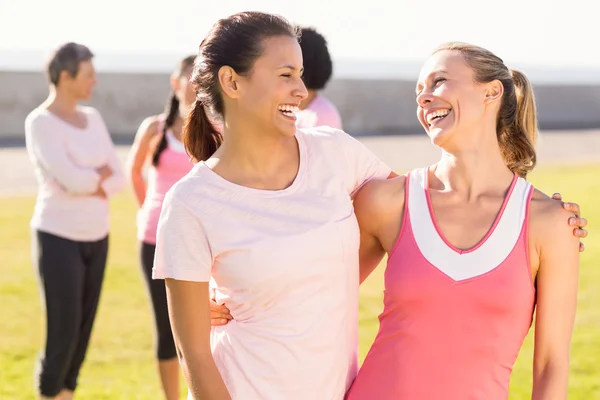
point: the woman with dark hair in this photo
(77, 170)
(316, 109)
(158, 143)
(268, 220)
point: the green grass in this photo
(120, 361)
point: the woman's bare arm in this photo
(139, 154)
(556, 280)
(190, 318)
(378, 207)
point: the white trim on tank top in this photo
(471, 263)
(174, 143)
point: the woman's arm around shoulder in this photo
(378, 206)
(555, 261)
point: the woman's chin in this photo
(438, 136)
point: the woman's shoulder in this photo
(39, 121)
(39, 113)
(193, 186)
(544, 207)
(548, 218)
(326, 135)
(93, 116)
(152, 125)
(379, 204)
(89, 111)
(382, 194)
(328, 145)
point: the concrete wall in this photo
(367, 106)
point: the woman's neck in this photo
(473, 169)
(253, 158)
(60, 102)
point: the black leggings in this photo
(70, 278)
(164, 343)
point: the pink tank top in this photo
(453, 320)
(174, 163)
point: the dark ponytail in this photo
(171, 109)
(172, 112)
(200, 137)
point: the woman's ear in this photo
(228, 80)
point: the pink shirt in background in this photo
(65, 159)
(453, 320)
(173, 164)
(320, 112)
(285, 262)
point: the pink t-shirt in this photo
(284, 262)
(320, 112)
(173, 164)
(65, 159)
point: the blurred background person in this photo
(316, 109)
(77, 171)
(158, 146)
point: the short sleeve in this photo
(182, 247)
(361, 164)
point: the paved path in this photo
(400, 152)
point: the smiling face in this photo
(449, 100)
(269, 96)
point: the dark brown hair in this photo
(516, 125)
(171, 110)
(318, 66)
(235, 41)
(67, 58)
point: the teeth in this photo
(438, 113)
(288, 108)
